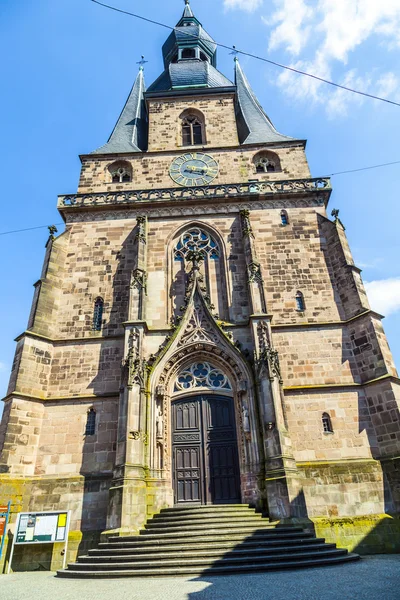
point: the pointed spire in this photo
(254, 125)
(129, 134)
(188, 10)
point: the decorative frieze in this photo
(238, 190)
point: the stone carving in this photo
(159, 423)
(139, 435)
(245, 420)
(238, 190)
(178, 210)
(52, 230)
(254, 273)
(133, 365)
(141, 229)
(263, 335)
(246, 225)
(139, 280)
(199, 327)
(267, 355)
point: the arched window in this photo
(327, 423)
(300, 304)
(120, 171)
(98, 314)
(212, 268)
(188, 53)
(267, 162)
(90, 428)
(196, 239)
(192, 130)
(284, 217)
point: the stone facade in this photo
(287, 364)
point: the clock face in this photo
(193, 168)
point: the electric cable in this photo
(249, 54)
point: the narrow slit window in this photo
(300, 304)
(284, 218)
(90, 428)
(327, 423)
(98, 314)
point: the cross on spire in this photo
(142, 62)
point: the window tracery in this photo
(196, 239)
(201, 375)
(267, 162)
(192, 130)
(120, 172)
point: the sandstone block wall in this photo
(152, 171)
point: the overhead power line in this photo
(243, 53)
(396, 162)
(27, 229)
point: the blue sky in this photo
(70, 65)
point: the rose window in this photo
(201, 375)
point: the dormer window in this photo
(192, 130)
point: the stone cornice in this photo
(205, 147)
(320, 324)
(47, 399)
(268, 190)
(45, 338)
(341, 386)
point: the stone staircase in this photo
(212, 540)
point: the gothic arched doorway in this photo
(204, 450)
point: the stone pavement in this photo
(372, 578)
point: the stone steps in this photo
(199, 553)
(213, 540)
(151, 541)
(158, 546)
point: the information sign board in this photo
(2, 525)
(41, 528)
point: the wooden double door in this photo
(205, 452)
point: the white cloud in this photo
(247, 5)
(325, 34)
(384, 295)
(292, 18)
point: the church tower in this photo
(200, 333)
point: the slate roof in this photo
(190, 74)
(130, 132)
(188, 11)
(254, 126)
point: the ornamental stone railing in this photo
(232, 190)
